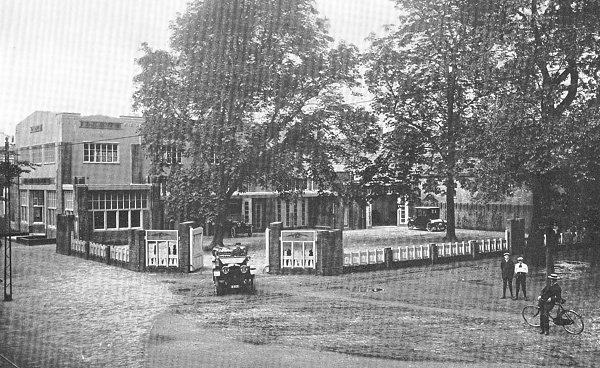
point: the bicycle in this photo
(570, 320)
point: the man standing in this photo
(521, 272)
(549, 296)
(508, 268)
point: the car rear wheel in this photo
(233, 233)
(219, 289)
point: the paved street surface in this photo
(69, 312)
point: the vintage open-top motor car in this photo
(234, 225)
(427, 218)
(231, 269)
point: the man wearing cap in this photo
(549, 296)
(508, 268)
(521, 273)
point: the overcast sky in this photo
(79, 55)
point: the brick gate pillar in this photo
(275, 247)
(184, 245)
(137, 250)
(64, 228)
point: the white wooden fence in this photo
(97, 250)
(78, 245)
(419, 252)
(119, 253)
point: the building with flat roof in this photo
(89, 166)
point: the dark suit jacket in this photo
(508, 268)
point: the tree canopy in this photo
(541, 122)
(426, 76)
(248, 94)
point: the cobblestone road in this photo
(69, 312)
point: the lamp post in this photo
(7, 235)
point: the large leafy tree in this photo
(539, 122)
(426, 76)
(234, 95)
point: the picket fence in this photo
(421, 252)
(97, 251)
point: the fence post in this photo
(86, 246)
(107, 254)
(388, 257)
(433, 252)
(474, 248)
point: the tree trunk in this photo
(217, 240)
(451, 158)
(537, 252)
(450, 212)
(339, 213)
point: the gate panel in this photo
(298, 249)
(162, 248)
(196, 256)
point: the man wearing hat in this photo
(549, 296)
(508, 268)
(521, 272)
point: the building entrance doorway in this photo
(384, 211)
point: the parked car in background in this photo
(235, 226)
(231, 269)
(427, 218)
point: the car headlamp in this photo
(225, 270)
(244, 268)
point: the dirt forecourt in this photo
(68, 312)
(443, 315)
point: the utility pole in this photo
(7, 235)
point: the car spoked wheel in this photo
(219, 289)
(233, 233)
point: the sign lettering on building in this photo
(36, 128)
(99, 125)
(38, 181)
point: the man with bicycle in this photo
(551, 294)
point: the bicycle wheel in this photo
(531, 315)
(573, 323)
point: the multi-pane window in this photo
(118, 209)
(37, 199)
(36, 154)
(68, 202)
(171, 155)
(24, 206)
(51, 208)
(24, 154)
(246, 211)
(292, 213)
(49, 153)
(101, 152)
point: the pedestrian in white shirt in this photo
(521, 271)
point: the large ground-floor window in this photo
(38, 205)
(293, 213)
(118, 209)
(24, 206)
(51, 208)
